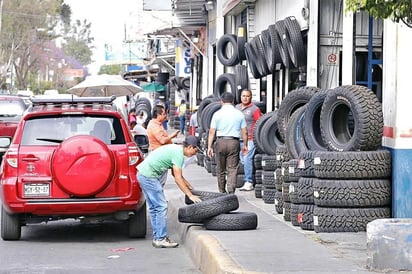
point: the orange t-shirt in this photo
(155, 132)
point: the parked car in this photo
(71, 158)
(11, 111)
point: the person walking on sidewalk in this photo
(182, 116)
(157, 135)
(252, 114)
(229, 125)
(149, 173)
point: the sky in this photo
(108, 18)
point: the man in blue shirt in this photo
(229, 125)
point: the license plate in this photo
(36, 189)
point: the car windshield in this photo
(11, 108)
(54, 130)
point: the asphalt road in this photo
(70, 247)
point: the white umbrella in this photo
(104, 85)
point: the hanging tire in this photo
(221, 81)
(251, 58)
(268, 49)
(294, 42)
(343, 104)
(277, 59)
(241, 40)
(259, 51)
(196, 213)
(242, 80)
(281, 43)
(232, 221)
(225, 57)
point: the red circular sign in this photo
(332, 58)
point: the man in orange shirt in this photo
(157, 134)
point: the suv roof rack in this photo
(73, 100)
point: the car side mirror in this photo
(5, 142)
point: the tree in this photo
(78, 42)
(110, 69)
(386, 9)
(26, 25)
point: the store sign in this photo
(182, 60)
(132, 52)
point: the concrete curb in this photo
(206, 251)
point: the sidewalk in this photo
(274, 247)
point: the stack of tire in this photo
(217, 212)
(336, 138)
(143, 105)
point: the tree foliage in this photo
(110, 69)
(386, 9)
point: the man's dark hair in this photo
(157, 110)
(227, 97)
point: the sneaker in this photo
(247, 187)
(165, 243)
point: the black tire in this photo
(241, 79)
(306, 165)
(10, 226)
(295, 142)
(251, 58)
(277, 60)
(222, 50)
(294, 42)
(198, 212)
(208, 114)
(258, 190)
(268, 49)
(279, 202)
(286, 211)
(328, 219)
(185, 83)
(137, 223)
(269, 162)
(258, 129)
(357, 102)
(268, 179)
(204, 195)
(220, 84)
(206, 101)
(311, 126)
(353, 164)
(281, 43)
(294, 214)
(241, 40)
(292, 101)
(260, 61)
(352, 193)
(305, 190)
(305, 216)
(268, 195)
(270, 136)
(232, 221)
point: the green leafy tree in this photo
(110, 69)
(78, 42)
(387, 9)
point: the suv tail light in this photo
(11, 156)
(134, 154)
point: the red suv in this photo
(71, 158)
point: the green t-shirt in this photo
(161, 159)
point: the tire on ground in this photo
(204, 195)
(196, 213)
(232, 221)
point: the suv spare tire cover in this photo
(82, 165)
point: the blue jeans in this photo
(156, 200)
(182, 124)
(247, 161)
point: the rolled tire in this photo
(232, 221)
(222, 50)
(251, 57)
(351, 102)
(196, 213)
